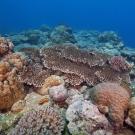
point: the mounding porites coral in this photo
(40, 122)
(132, 110)
(112, 99)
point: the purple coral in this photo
(118, 63)
(42, 121)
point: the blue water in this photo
(102, 15)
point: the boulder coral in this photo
(112, 99)
(132, 110)
(40, 122)
(5, 45)
(58, 93)
(53, 80)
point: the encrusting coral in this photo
(42, 121)
(112, 99)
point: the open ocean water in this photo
(101, 15)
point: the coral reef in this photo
(11, 90)
(85, 117)
(109, 36)
(62, 34)
(118, 63)
(52, 80)
(132, 110)
(41, 121)
(31, 102)
(112, 99)
(5, 45)
(92, 66)
(58, 93)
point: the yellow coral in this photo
(53, 80)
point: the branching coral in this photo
(11, 90)
(112, 99)
(5, 45)
(42, 121)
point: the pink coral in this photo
(58, 93)
(118, 63)
(112, 99)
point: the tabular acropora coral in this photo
(5, 45)
(11, 90)
(40, 122)
(132, 110)
(112, 99)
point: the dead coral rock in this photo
(113, 97)
(32, 102)
(58, 93)
(18, 106)
(85, 117)
(53, 80)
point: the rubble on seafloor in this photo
(66, 89)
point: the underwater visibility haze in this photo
(67, 67)
(101, 15)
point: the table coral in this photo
(112, 99)
(91, 66)
(42, 121)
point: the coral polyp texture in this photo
(91, 66)
(118, 63)
(11, 90)
(132, 110)
(5, 45)
(112, 99)
(40, 122)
